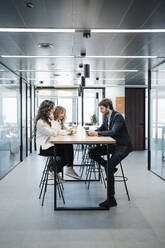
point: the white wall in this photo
(113, 92)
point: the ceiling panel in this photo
(83, 15)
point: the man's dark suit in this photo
(117, 129)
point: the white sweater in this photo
(44, 132)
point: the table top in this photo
(81, 138)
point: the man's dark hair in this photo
(106, 103)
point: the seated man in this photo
(114, 126)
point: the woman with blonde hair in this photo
(64, 150)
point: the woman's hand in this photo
(70, 131)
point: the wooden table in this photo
(81, 138)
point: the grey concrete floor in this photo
(139, 223)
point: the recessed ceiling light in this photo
(51, 79)
(56, 75)
(53, 70)
(157, 79)
(127, 30)
(33, 56)
(71, 56)
(37, 30)
(45, 45)
(30, 5)
(124, 57)
(112, 79)
(8, 78)
(114, 70)
(71, 30)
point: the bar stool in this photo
(122, 178)
(94, 170)
(86, 160)
(44, 182)
(91, 169)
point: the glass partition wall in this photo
(9, 121)
(157, 121)
(81, 107)
(16, 119)
(66, 97)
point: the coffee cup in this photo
(74, 128)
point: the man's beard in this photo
(107, 112)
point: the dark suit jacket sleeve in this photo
(102, 128)
(115, 130)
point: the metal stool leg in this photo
(44, 182)
(45, 186)
(59, 186)
(124, 179)
(44, 177)
(44, 171)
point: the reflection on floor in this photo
(139, 223)
(158, 162)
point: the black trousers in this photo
(116, 157)
(63, 151)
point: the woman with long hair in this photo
(44, 130)
(64, 150)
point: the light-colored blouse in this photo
(56, 125)
(43, 133)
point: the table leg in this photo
(108, 172)
(77, 208)
(163, 157)
(55, 175)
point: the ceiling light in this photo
(37, 30)
(71, 56)
(51, 79)
(45, 45)
(8, 84)
(8, 78)
(53, 70)
(30, 5)
(115, 70)
(71, 30)
(127, 30)
(33, 56)
(157, 79)
(124, 57)
(112, 79)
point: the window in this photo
(9, 110)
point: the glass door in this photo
(157, 124)
(9, 126)
(91, 99)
